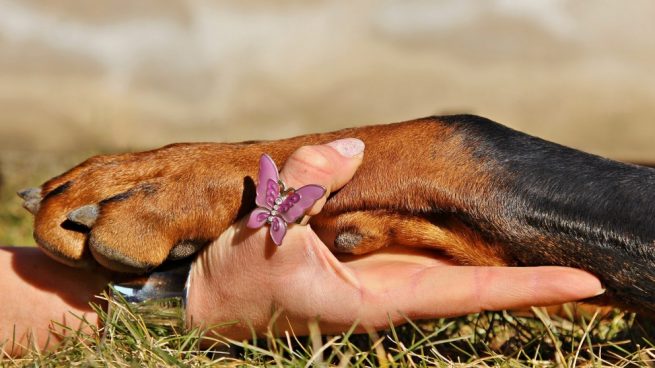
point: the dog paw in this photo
(132, 212)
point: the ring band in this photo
(304, 220)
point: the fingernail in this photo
(601, 292)
(348, 147)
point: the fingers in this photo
(444, 291)
(331, 165)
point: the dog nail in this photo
(32, 205)
(347, 241)
(85, 215)
(185, 249)
(348, 147)
(30, 193)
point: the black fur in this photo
(59, 190)
(553, 205)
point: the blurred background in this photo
(83, 77)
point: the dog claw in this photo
(32, 205)
(85, 215)
(29, 194)
(347, 241)
(185, 249)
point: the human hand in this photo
(244, 277)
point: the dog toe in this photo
(58, 237)
(131, 248)
(62, 220)
(120, 254)
(127, 235)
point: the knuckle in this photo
(312, 159)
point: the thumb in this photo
(330, 165)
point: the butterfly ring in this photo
(279, 205)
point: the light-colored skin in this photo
(243, 276)
(37, 290)
(246, 277)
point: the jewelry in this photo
(279, 205)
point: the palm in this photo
(304, 280)
(245, 276)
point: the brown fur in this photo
(477, 192)
(151, 201)
(376, 229)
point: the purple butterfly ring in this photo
(278, 205)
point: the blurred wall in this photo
(126, 74)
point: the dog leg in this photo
(365, 231)
(482, 192)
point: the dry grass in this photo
(480, 340)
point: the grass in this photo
(480, 340)
(487, 339)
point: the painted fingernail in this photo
(348, 147)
